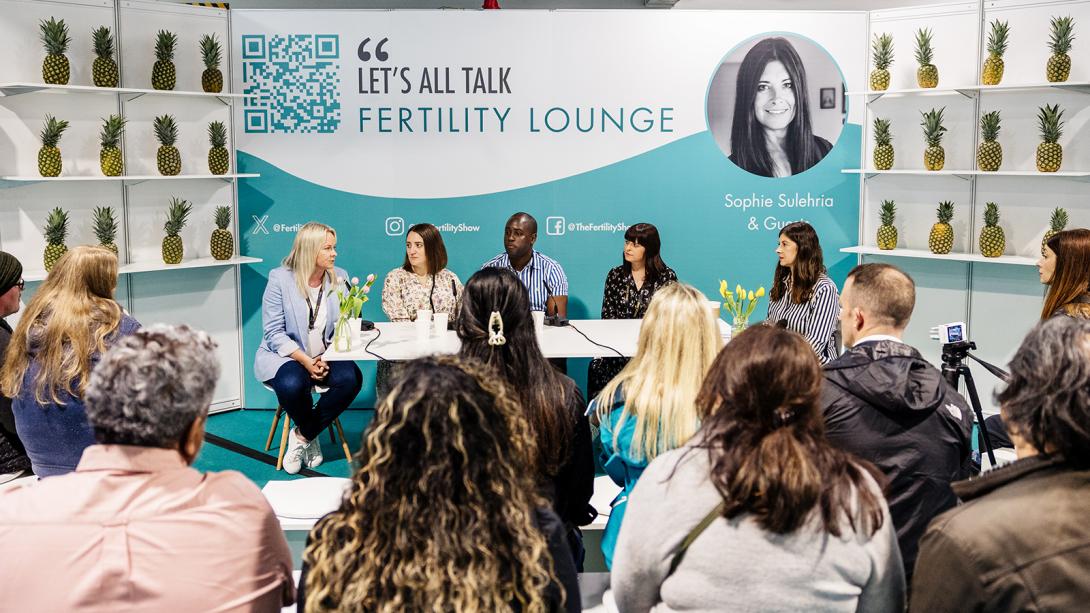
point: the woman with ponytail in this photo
(758, 511)
(495, 327)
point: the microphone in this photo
(554, 319)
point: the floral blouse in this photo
(621, 299)
(404, 293)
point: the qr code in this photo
(291, 83)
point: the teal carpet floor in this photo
(250, 428)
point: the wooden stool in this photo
(287, 429)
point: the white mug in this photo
(423, 323)
(539, 321)
(439, 321)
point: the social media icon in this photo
(395, 226)
(259, 224)
(556, 226)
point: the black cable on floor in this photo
(253, 454)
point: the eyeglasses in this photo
(21, 285)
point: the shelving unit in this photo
(970, 91)
(201, 291)
(1080, 175)
(919, 254)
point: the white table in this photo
(398, 341)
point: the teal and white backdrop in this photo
(372, 121)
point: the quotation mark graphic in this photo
(555, 226)
(380, 55)
(395, 226)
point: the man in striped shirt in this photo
(543, 277)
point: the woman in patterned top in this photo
(422, 282)
(628, 291)
(803, 298)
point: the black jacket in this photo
(1021, 542)
(884, 403)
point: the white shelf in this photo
(920, 254)
(16, 89)
(18, 181)
(970, 91)
(128, 269)
(1066, 174)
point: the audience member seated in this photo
(758, 511)
(442, 514)
(886, 404)
(650, 407)
(1021, 540)
(134, 528)
(422, 282)
(71, 320)
(628, 293)
(542, 276)
(14, 462)
(495, 327)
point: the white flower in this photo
(355, 280)
(367, 289)
(371, 278)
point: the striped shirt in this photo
(816, 318)
(542, 276)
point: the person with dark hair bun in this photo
(1020, 540)
(628, 292)
(496, 328)
(803, 298)
(758, 511)
(772, 134)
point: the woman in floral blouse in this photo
(422, 282)
(628, 291)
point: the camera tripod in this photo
(954, 367)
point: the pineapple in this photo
(49, 156)
(1056, 224)
(54, 35)
(927, 75)
(106, 228)
(218, 160)
(176, 218)
(109, 156)
(997, 46)
(211, 52)
(934, 157)
(104, 70)
(56, 230)
(992, 241)
(1059, 63)
(222, 244)
(883, 150)
(168, 160)
(887, 233)
(941, 239)
(1049, 153)
(883, 56)
(163, 74)
(989, 155)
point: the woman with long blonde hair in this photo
(442, 514)
(70, 322)
(298, 313)
(650, 407)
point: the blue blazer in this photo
(55, 434)
(284, 320)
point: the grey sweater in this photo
(736, 565)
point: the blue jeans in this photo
(292, 385)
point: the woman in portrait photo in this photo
(772, 133)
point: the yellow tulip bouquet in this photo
(739, 303)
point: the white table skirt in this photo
(398, 341)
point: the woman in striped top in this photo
(803, 297)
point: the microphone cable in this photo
(619, 354)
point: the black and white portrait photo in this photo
(772, 105)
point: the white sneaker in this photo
(314, 453)
(296, 453)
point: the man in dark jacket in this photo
(13, 458)
(884, 403)
(1021, 540)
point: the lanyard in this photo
(312, 313)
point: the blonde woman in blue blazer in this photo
(298, 313)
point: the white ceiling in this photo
(835, 5)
